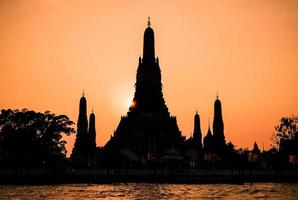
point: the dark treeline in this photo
(32, 139)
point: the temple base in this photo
(144, 137)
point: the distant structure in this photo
(215, 143)
(192, 148)
(218, 127)
(83, 153)
(148, 132)
(91, 141)
(208, 140)
(256, 148)
(197, 134)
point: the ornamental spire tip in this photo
(149, 23)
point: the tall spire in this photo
(79, 152)
(92, 132)
(197, 134)
(91, 140)
(148, 48)
(218, 125)
(148, 96)
(208, 139)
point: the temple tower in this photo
(148, 96)
(92, 131)
(79, 153)
(218, 126)
(148, 131)
(91, 140)
(197, 134)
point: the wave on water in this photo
(152, 191)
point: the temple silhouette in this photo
(216, 142)
(149, 133)
(83, 153)
(148, 130)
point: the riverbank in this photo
(100, 176)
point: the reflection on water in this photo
(151, 191)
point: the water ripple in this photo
(146, 191)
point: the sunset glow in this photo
(128, 102)
(244, 50)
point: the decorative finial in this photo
(148, 23)
(92, 109)
(196, 111)
(217, 95)
(83, 92)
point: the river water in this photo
(152, 191)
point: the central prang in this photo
(148, 132)
(148, 96)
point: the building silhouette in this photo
(208, 141)
(218, 127)
(256, 148)
(147, 132)
(148, 96)
(91, 140)
(192, 147)
(215, 147)
(83, 153)
(197, 134)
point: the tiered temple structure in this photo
(148, 131)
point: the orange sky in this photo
(247, 50)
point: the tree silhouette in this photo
(32, 138)
(286, 135)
